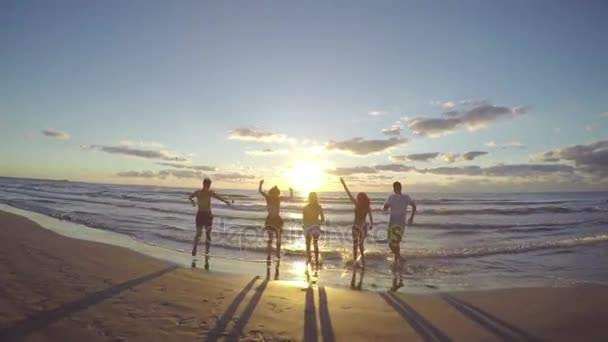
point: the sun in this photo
(305, 177)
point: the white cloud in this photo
(443, 104)
(394, 130)
(512, 144)
(361, 146)
(376, 113)
(56, 134)
(249, 134)
(143, 144)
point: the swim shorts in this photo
(204, 219)
(313, 231)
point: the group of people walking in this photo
(312, 218)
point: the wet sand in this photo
(55, 288)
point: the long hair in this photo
(362, 205)
(274, 191)
(313, 198)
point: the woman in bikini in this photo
(312, 217)
(360, 225)
(274, 222)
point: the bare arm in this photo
(218, 197)
(371, 218)
(352, 199)
(411, 220)
(284, 198)
(321, 214)
(192, 195)
(262, 191)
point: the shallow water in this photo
(459, 241)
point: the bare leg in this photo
(355, 243)
(308, 256)
(270, 238)
(315, 243)
(197, 240)
(279, 245)
(362, 250)
(208, 234)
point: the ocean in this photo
(458, 241)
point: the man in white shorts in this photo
(398, 203)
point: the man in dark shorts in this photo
(204, 218)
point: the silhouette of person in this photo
(204, 217)
(360, 226)
(397, 203)
(274, 222)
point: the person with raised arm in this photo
(204, 217)
(274, 222)
(397, 203)
(360, 225)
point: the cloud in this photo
(473, 102)
(266, 152)
(136, 174)
(375, 113)
(467, 156)
(185, 174)
(394, 130)
(591, 158)
(56, 134)
(443, 104)
(135, 152)
(501, 170)
(188, 166)
(144, 144)
(231, 177)
(512, 144)
(604, 114)
(394, 167)
(472, 119)
(249, 134)
(416, 157)
(346, 171)
(360, 146)
(448, 157)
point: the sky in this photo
(440, 95)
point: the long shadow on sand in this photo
(42, 319)
(237, 330)
(223, 321)
(310, 317)
(423, 328)
(495, 325)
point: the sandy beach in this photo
(55, 288)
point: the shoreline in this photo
(59, 288)
(292, 268)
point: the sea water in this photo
(458, 240)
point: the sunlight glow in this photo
(305, 177)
